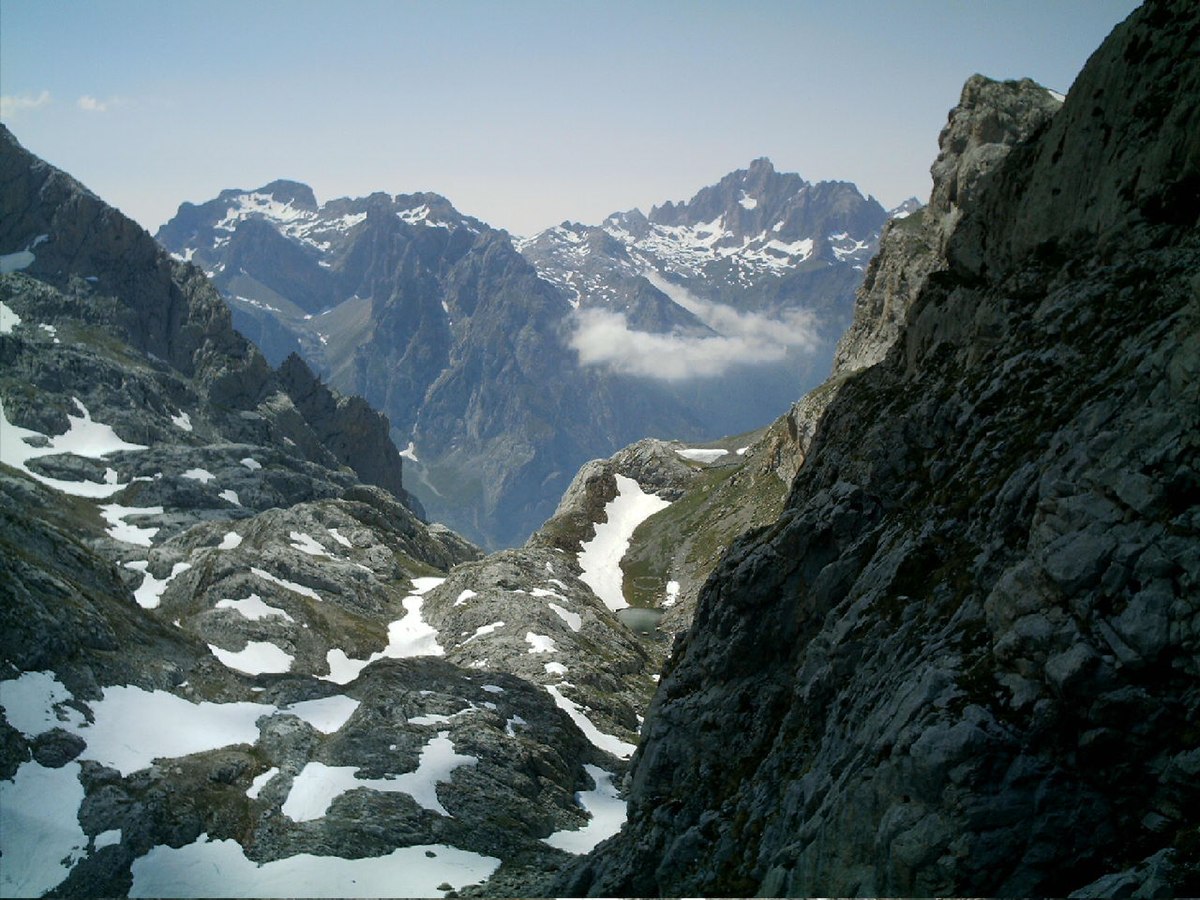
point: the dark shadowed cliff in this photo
(965, 658)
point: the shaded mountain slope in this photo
(963, 660)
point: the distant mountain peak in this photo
(905, 209)
(295, 193)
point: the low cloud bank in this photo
(604, 338)
(13, 105)
(743, 339)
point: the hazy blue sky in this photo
(524, 112)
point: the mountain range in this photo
(935, 630)
(504, 366)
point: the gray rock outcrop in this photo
(990, 118)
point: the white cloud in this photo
(91, 104)
(11, 106)
(743, 339)
(604, 338)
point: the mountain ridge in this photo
(477, 355)
(218, 638)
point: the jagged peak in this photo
(905, 209)
(757, 189)
(282, 190)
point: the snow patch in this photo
(253, 608)
(337, 536)
(407, 637)
(22, 259)
(600, 558)
(107, 838)
(318, 785)
(574, 620)
(260, 782)
(290, 585)
(672, 594)
(8, 319)
(306, 543)
(231, 541)
(540, 643)
(221, 869)
(482, 631)
(607, 742)
(605, 808)
(120, 530)
(133, 727)
(326, 714)
(149, 593)
(40, 836)
(257, 658)
(84, 437)
(702, 455)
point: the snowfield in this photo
(600, 558)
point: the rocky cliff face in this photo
(989, 119)
(963, 660)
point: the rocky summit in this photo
(963, 660)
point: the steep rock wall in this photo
(964, 659)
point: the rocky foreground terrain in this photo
(964, 658)
(235, 656)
